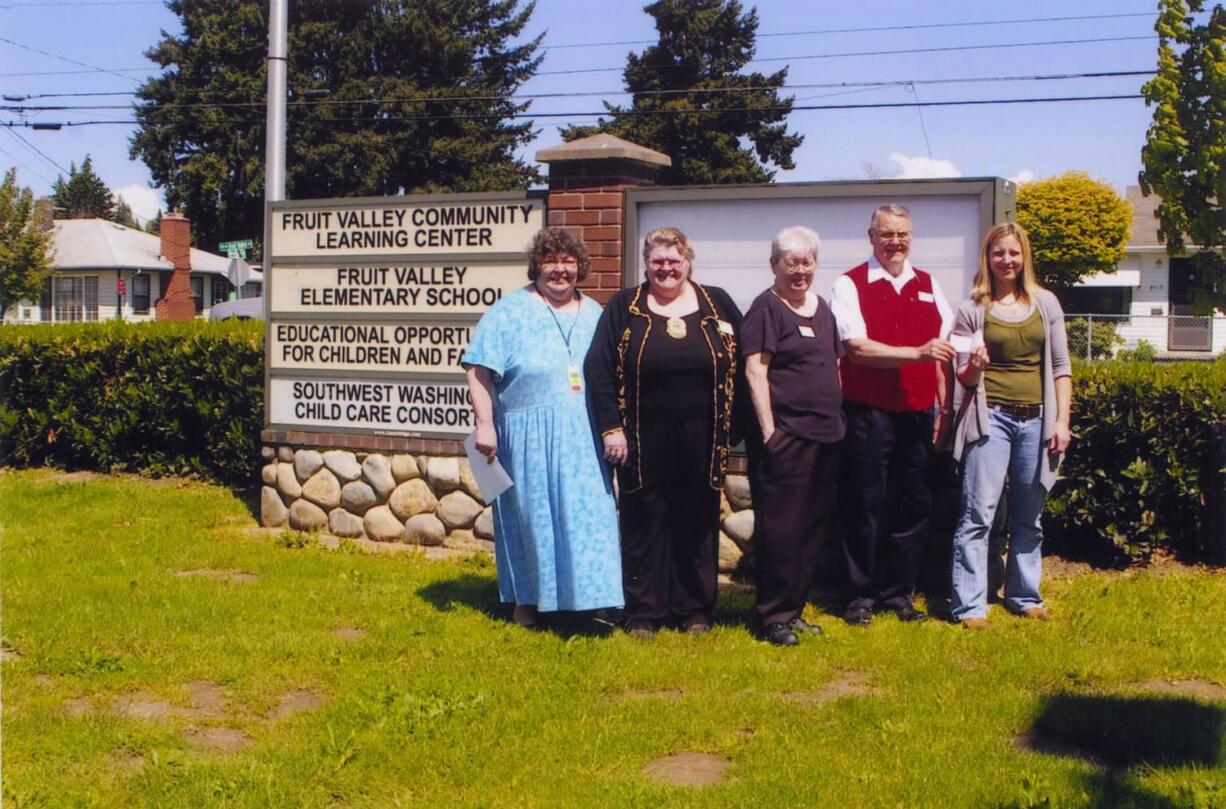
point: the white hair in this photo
(795, 239)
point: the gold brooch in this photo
(676, 328)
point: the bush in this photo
(1144, 352)
(164, 398)
(1100, 335)
(1139, 471)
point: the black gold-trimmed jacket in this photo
(612, 374)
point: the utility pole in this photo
(274, 151)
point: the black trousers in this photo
(670, 527)
(793, 482)
(885, 502)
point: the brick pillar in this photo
(586, 181)
(176, 302)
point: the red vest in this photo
(897, 319)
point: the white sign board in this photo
(384, 346)
(383, 407)
(732, 237)
(393, 227)
(454, 289)
(372, 303)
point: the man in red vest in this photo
(893, 319)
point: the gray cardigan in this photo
(971, 411)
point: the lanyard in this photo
(566, 335)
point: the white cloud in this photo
(144, 202)
(1023, 176)
(919, 167)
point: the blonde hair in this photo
(1028, 284)
(668, 237)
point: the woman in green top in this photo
(1015, 388)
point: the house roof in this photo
(1144, 225)
(98, 244)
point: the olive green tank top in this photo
(1015, 359)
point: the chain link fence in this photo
(1102, 337)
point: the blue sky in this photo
(1103, 138)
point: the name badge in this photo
(806, 331)
(576, 378)
(725, 326)
(926, 297)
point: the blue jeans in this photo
(1012, 447)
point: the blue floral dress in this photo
(556, 541)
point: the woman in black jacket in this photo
(661, 375)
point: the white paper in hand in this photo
(962, 343)
(491, 478)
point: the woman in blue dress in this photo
(555, 529)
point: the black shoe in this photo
(858, 616)
(780, 634)
(801, 625)
(908, 613)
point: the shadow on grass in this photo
(1120, 732)
(480, 593)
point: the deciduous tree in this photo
(1185, 148)
(691, 102)
(418, 99)
(1077, 225)
(23, 246)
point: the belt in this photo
(1021, 412)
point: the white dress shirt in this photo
(845, 300)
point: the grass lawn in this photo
(159, 650)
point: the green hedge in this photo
(187, 398)
(1139, 471)
(164, 398)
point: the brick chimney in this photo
(176, 302)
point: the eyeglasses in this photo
(893, 235)
(798, 264)
(554, 261)
(666, 263)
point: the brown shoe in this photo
(1037, 613)
(974, 623)
(697, 626)
(643, 630)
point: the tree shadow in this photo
(1118, 733)
(480, 593)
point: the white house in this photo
(1150, 293)
(92, 259)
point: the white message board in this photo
(379, 406)
(453, 289)
(384, 346)
(460, 227)
(372, 303)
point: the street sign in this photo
(236, 249)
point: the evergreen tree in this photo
(1077, 226)
(23, 245)
(418, 100)
(83, 195)
(1185, 148)
(123, 214)
(703, 45)
(154, 225)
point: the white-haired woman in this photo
(791, 347)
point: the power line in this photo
(861, 85)
(924, 26)
(85, 3)
(26, 165)
(65, 59)
(876, 53)
(79, 72)
(37, 151)
(701, 111)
